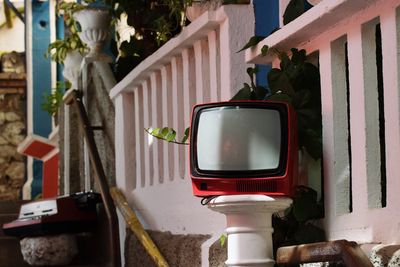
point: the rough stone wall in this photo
(101, 113)
(12, 132)
(178, 250)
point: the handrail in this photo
(340, 250)
(75, 97)
(137, 228)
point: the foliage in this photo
(51, 102)
(297, 225)
(222, 240)
(58, 49)
(154, 21)
(297, 82)
(294, 9)
(169, 135)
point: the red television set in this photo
(243, 147)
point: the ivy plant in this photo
(51, 102)
(58, 49)
(297, 82)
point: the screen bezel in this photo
(282, 108)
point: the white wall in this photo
(12, 39)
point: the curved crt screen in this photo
(237, 138)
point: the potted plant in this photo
(194, 8)
(59, 49)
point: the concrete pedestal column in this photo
(249, 227)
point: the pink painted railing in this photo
(360, 111)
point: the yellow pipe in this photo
(136, 227)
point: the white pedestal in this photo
(249, 227)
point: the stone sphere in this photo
(49, 250)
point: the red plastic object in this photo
(43, 149)
(70, 214)
(277, 182)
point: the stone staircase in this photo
(93, 247)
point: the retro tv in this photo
(246, 147)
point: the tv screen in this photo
(236, 138)
(243, 147)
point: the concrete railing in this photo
(357, 43)
(199, 65)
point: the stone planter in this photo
(314, 2)
(49, 250)
(95, 24)
(199, 7)
(72, 64)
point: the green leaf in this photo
(171, 135)
(280, 97)
(260, 92)
(308, 233)
(252, 42)
(286, 63)
(164, 132)
(264, 50)
(279, 81)
(305, 205)
(243, 94)
(298, 57)
(156, 132)
(252, 71)
(222, 240)
(293, 10)
(186, 136)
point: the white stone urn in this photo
(249, 227)
(72, 64)
(54, 250)
(95, 24)
(197, 8)
(314, 2)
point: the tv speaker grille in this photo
(257, 186)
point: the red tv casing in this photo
(208, 183)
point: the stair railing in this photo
(75, 97)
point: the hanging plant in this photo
(58, 49)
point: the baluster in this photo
(156, 119)
(139, 136)
(342, 151)
(178, 114)
(148, 139)
(214, 63)
(189, 90)
(166, 106)
(390, 44)
(202, 66)
(357, 117)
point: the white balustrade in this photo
(361, 140)
(199, 65)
